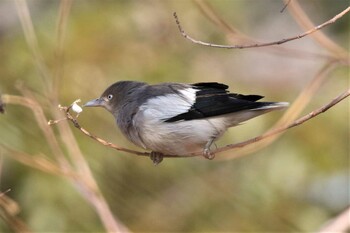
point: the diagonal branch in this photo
(285, 5)
(256, 45)
(236, 36)
(305, 22)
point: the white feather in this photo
(275, 106)
(170, 105)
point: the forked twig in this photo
(74, 120)
(257, 45)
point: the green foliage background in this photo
(296, 184)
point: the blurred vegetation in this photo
(295, 184)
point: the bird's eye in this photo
(109, 97)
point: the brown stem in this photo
(257, 45)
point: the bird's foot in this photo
(206, 152)
(156, 157)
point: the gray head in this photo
(115, 95)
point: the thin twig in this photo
(76, 124)
(4, 192)
(285, 6)
(325, 41)
(236, 36)
(257, 45)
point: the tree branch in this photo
(256, 45)
(285, 6)
(325, 41)
(236, 36)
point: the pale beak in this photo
(95, 103)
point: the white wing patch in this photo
(178, 138)
(170, 105)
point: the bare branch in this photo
(325, 41)
(256, 45)
(235, 36)
(74, 120)
(285, 6)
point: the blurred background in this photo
(297, 183)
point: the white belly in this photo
(179, 138)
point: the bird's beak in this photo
(95, 103)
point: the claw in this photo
(206, 152)
(156, 157)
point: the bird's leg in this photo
(206, 152)
(156, 157)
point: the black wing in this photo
(213, 99)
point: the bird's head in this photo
(115, 95)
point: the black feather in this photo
(246, 97)
(213, 85)
(213, 99)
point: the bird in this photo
(177, 119)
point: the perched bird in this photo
(178, 118)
